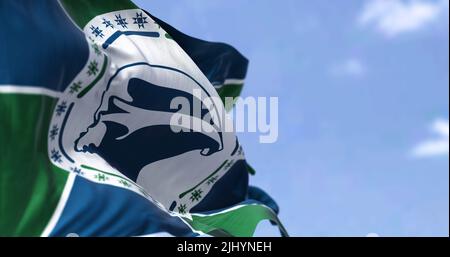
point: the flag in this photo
(87, 145)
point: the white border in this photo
(31, 90)
(60, 207)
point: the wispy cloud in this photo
(352, 67)
(393, 17)
(437, 146)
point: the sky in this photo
(363, 88)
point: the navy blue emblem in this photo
(130, 130)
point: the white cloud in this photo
(393, 17)
(372, 235)
(435, 147)
(351, 67)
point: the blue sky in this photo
(363, 108)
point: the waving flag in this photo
(86, 140)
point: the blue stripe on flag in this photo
(228, 190)
(103, 210)
(39, 45)
(218, 61)
(257, 194)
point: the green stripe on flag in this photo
(30, 186)
(240, 221)
(82, 11)
(230, 90)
